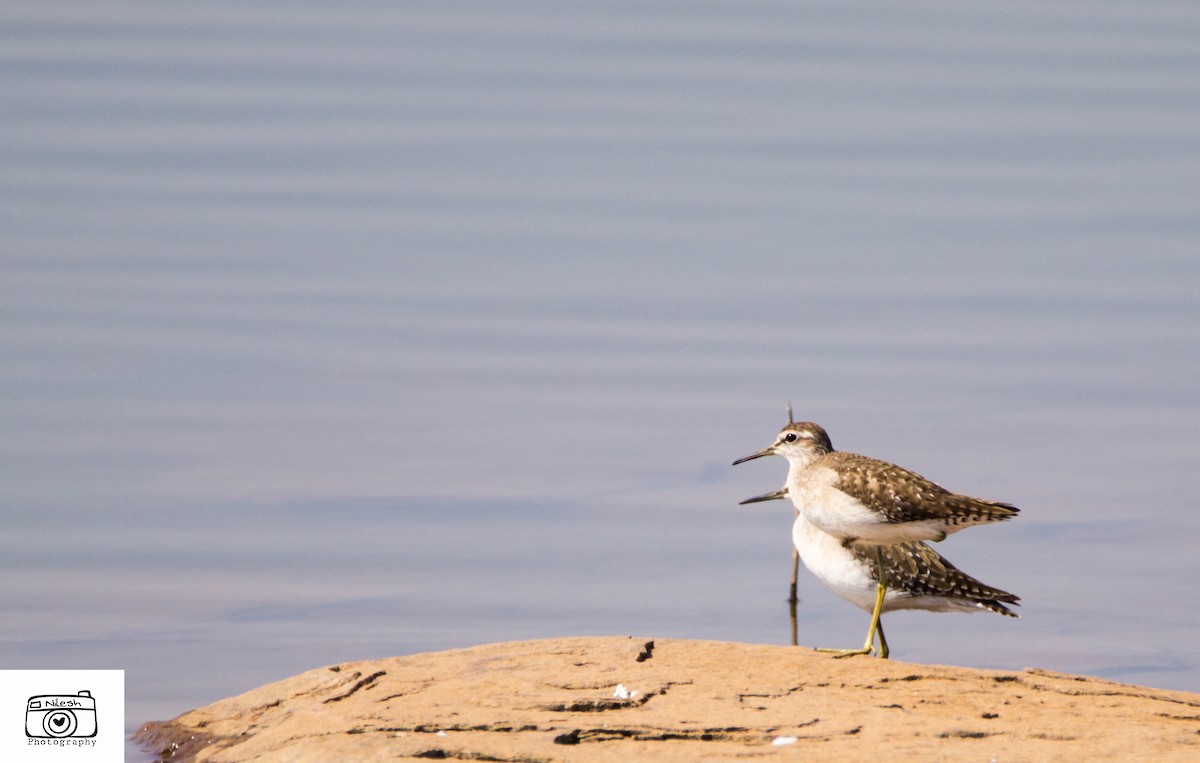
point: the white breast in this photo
(833, 564)
(853, 579)
(813, 494)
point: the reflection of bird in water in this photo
(914, 577)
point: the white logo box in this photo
(62, 715)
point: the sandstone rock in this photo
(679, 701)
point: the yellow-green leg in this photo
(876, 623)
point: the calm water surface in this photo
(331, 334)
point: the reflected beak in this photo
(768, 451)
(772, 496)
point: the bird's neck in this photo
(797, 465)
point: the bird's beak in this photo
(768, 451)
(772, 496)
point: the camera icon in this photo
(54, 716)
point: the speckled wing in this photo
(916, 568)
(904, 496)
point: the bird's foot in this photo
(840, 653)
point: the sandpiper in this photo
(865, 500)
(880, 579)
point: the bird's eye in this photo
(789, 437)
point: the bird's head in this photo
(799, 442)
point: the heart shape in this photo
(59, 721)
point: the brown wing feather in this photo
(916, 568)
(905, 496)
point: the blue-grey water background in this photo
(334, 332)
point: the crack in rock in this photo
(602, 704)
(964, 734)
(429, 728)
(611, 734)
(597, 705)
(742, 698)
(1112, 693)
(438, 753)
(364, 683)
